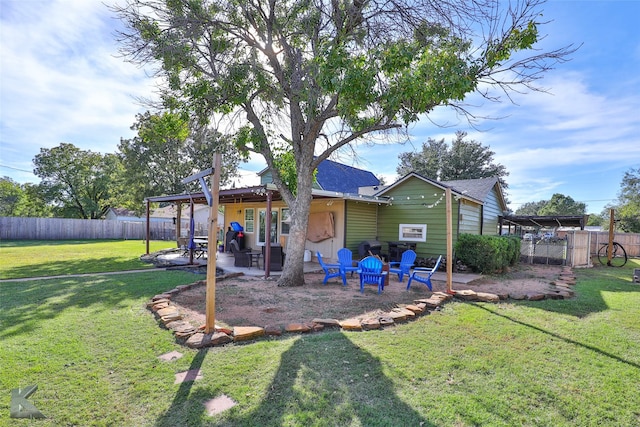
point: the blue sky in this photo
(61, 80)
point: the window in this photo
(412, 232)
(285, 222)
(262, 215)
(249, 220)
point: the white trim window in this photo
(249, 216)
(412, 232)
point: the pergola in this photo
(543, 221)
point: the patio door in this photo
(262, 215)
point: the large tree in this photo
(79, 183)
(309, 77)
(167, 150)
(559, 205)
(628, 203)
(466, 159)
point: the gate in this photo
(544, 251)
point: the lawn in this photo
(19, 259)
(92, 348)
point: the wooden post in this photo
(191, 211)
(210, 323)
(148, 232)
(449, 241)
(610, 247)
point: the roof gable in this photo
(334, 176)
(476, 188)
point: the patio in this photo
(225, 262)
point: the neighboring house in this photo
(348, 209)
(122, 214)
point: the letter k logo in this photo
(20, 407)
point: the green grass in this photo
(25, 258)
(91, 347)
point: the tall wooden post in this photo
(212, 246)
(611, 232)
(449, 241)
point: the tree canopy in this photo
(167, 150)
(312, 77)
(466, 159)
(559, 205)
(78, 183)
(628, 204)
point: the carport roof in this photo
(545, 221)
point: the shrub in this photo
(487, 254)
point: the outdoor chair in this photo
(242, 258)
(404, 266)
(331, 270)
(370, 271)
(276, 260)
(423, 274)
(345, 258)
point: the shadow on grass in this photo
(24, 305)
(560, 337)
(589, 289)
(329, 378)
(63, 267)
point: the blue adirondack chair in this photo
(401, 268)
(423, 275)
(345, 258)
(330, 270)
(370, 271)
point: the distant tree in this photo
(78, 183)
(531, 208)
(628, 203)
(596, 219)
(10, 195)
(165, 151)
(466, 159)
(562, 205)
(559, 204)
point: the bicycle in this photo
(618, 255)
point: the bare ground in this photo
(253, 301)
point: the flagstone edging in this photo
(185, 333)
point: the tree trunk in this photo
(293, 271)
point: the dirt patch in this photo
(252, 301)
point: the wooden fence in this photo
(27, 228)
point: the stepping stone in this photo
(487, 297)
(408, 314)
(244, 333)
(172, 355)
(191, 375)
(386, 321)
(273, 330)
(351, 325)
(369, 324)
(167, 311)
(535, 297)
(218, 405)
(415, 308)
(467, 295)
(327, 322)
(297, 327)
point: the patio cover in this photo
(544, 221)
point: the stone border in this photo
(193, 337)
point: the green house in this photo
(416, 211)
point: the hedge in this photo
(488, 254)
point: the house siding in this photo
(361, 224)
(470, 217)
(490, 214)
(418, 202)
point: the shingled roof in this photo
(333, 176)
(477, 188)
